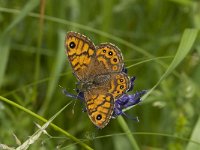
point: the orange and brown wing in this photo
(119, 84)
(107, 59)
(110, 57)
(80, 51)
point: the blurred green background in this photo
(33, 64)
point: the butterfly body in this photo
(99, 80)
(100, 74)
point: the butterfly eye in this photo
(98, 117)
(72, 45)
(104, 50)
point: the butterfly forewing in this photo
(110, 57)
(80, 52)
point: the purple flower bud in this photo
(126, 101)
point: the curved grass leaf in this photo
(194, 137)
(45, 120)
(56, 71)
(4, 56)
(126, 129)
(185, 46)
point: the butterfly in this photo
(101, 76)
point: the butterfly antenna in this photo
(66, 93)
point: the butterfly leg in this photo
(125, 70)
(81, 98)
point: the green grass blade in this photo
(182, 2)
(126, 129)
(32, 4)
(87, 28)
(121, 142)
(5, 50)
(45, 120)
(195, 137)
(56, 70)
(106, 17)
(33, 138)
(4, 56)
